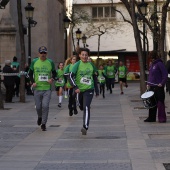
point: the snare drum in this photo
(149, 100)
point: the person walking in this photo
(156, 83)
(102, 80)
(84, 81)
(72, 106)
(122, 72)
(60, 82)
(15, 65)
(9, 81)
(110, 70)
(40, 75)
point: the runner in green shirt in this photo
(110, 71)
(122, 72)
(60, 82)
(40, 75)
(72, 96)
(84, 81)
(101, 79)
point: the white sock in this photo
(60, 99)
(65, 92)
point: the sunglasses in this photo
(43, 53)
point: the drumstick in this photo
(151, 83)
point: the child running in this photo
(84, 81)
(72, 96)
(102, 80)
(60, 82)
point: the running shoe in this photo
(75, 112)
(83, 131)
(122, 92)
(65, 96)
(70, 112)
(126, 85)
(59, 104)
(39, 121)
(43, 127)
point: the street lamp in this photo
(78, 35)
(66, 21)
(143, 7)
(29, 11)
(84, 38)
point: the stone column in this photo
(7, 36)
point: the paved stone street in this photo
(117, 138)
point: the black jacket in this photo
(8, 80)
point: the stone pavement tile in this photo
(84, 166)
(158, 143)
(94, 135)
(139, 165)
(17, 165)
(136, 143)
(86, 155)
(92, 143)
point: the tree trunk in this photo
(139, 48)
(22, 45)
(163, 31)
(1, 98)
(98, 50)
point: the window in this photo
(107, 12)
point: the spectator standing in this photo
(9, 81)
(156, 82)
(15, 65)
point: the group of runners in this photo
(77, 79)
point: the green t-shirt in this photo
(84, 75)
(15, 64)
(110, 71)
(60, 75)
(42, 73)
(68, 70)
(101, 78)
(122, 71)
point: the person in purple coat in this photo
(156, 82)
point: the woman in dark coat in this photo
(9, 81)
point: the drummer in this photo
(157, 79)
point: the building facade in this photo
(48, 32)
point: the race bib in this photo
(121, 73)
(85, 80)
(101, 78)
(43, 77)
(60, 81)
(110, 73)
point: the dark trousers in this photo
(9, 92)
(168, 85)
(85, 99)
(72, 100)
(17, 83)
(160, 98)
(111, 82)
(102, 89)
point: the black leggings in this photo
(72, 100)
(85, 99)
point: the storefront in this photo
(130, 60)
